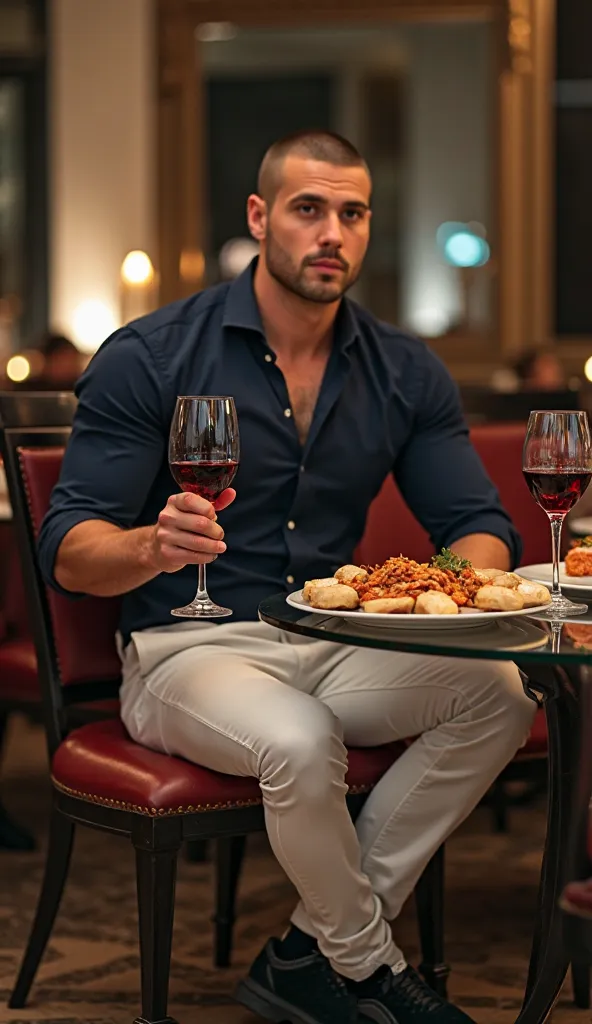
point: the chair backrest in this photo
(392, 529)
(74, 639)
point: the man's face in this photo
(317, 230)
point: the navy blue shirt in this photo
(386, 404)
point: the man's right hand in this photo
(187, 532)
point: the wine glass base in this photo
(563, 608)
(201, 610)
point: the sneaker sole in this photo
(269, 1006)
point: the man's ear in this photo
(257, 217)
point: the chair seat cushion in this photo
(100, 763)
(18, 672)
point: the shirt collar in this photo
(241, 310)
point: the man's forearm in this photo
(101, 559)
(484, 550)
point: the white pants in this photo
(248, 699)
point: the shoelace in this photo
(416, 992)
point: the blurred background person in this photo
(540, 370)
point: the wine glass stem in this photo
(202, 594)
(556, 527)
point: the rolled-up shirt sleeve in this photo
(440, 474)
(116, 447)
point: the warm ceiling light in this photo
(92, 322)
(588, 369)
(18, 369)
(137, 268)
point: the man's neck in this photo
(294, 328)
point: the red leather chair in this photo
(104, 780)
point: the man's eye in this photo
(307, 209)
(352, 215)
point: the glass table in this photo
(555, 660)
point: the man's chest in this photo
(303, 385)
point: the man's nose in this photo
(331, 231)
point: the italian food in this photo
(446, 585)
(578, 561)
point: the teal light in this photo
(465, 249)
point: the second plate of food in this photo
(542, 572)
(462, 620)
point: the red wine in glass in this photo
(556, 491)
(557, 467)
(204, 453)
(208, 479)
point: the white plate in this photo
(581, 527)
(543, 573)
(409, 622)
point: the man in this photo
(329, 402)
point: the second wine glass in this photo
(557, 466)
(204, 453)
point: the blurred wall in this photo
(103, 174)
(451, 166)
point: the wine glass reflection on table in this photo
(204, 453)
(557, 466)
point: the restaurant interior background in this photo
(130, 134)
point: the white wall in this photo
(103, 153)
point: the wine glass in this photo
(204, 454)
(557, 466)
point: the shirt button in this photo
(291, 525)
(268, 358)
(287, 413)
(290, 579)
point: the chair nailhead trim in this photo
(167, 812)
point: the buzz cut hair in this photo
(316, 144)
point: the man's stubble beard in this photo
(281, 267)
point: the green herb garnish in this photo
(585, 542)
(448, 560)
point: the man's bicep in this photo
(441, 475)
(116, 448)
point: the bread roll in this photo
(533, 594)
(389, 606)
(330, 581)
(336, 597)
(511, 580)
(348, 573)
(498, 599)
(488, 574)
(433, 602)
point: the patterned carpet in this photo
(90, 972)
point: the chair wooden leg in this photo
(61, 838)
(581, 984)
(156, 869)
(229, 859)
(429, 897)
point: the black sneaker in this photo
(304, 991)
(405, 998)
